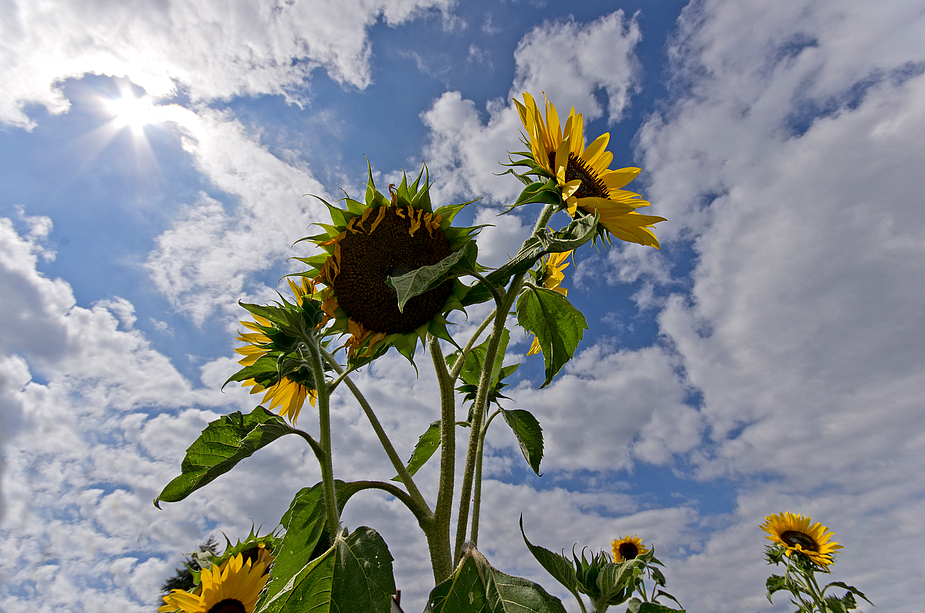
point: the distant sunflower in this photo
(627, 548)
(583, 173)
(551, 276)
(288, 383)
(368, 242)
(232, 587)
(796, 534)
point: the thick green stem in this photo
(478, 416)
(438, 534)
(478, 407)
(324, 421)
(399, 466)
(477, 486)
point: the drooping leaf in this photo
(425, 448)
(654, 607)
(353, 576)
(224, 442)
(422, 279)
(576, 234)
(529, 435)
(557, 324)
(477, 587)
(557, 565)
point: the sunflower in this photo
(288, 383)
(368, 242)
(551, 276)
(583, 174)
(795, 533)
(232, 587)
(627, 548)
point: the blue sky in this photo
(769, 358)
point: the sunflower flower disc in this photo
(797, 535)
(627, 548)
(232, 587)
(371, 241)
(583, 174)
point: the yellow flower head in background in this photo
(232, 587)
(583, 173)
(287, 391)
(797, 534)
(627, 548)
(551, 276)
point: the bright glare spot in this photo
(129, 111)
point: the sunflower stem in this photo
(399, 466)
(458, 365)
(477, 487)
(438, 535)
(478, 408)
(324, 427)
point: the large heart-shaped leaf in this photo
(224, 442)
(557, 324)
(477, 587)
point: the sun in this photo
(129, 111)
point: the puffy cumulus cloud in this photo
(208, 48)
(571, 62)
(94, 423)
(793, 163)
(203, 262)
(634, 399)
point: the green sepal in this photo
(476, 587)
(222, 444)
(557, 324)
(543, 242)
(425, 278)
(637, 606)
(539, 192)
(529, 435)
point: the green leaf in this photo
(652, 607)
(477, 587)
(222, 444)
(555, 564)
(529, 434)
(775, 583)
(557, 324)
(425, 448)
(851, 589)
(544, 241)
(422, 279)
(353, 576)
(617, 581)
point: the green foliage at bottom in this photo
(477, 587)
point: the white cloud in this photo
(203, 263)
(208, 48)
(571, 62)
(793, 162)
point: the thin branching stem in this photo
(458, 365)
(399, 466)
(324, 421)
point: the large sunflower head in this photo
(797, 535)
(627, 548)
(232, 587)
(368, 242)
(583, 174)
(550, 276)
(270, 364)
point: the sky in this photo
(770, 357)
